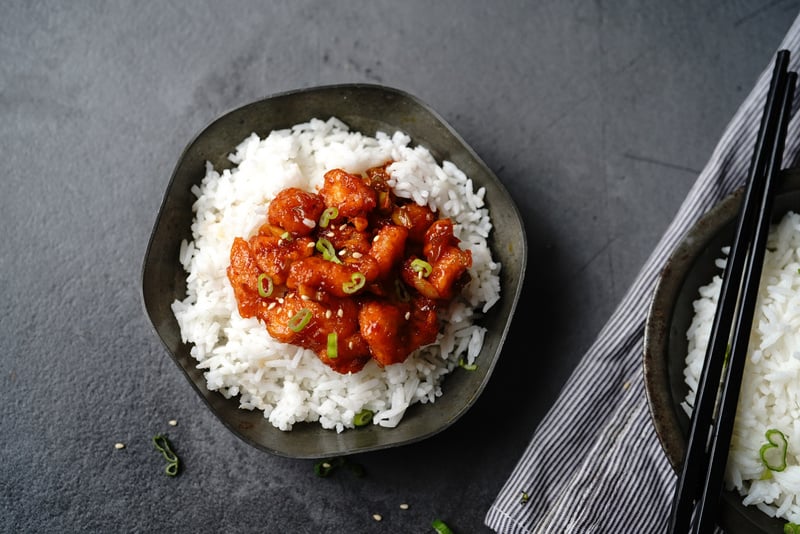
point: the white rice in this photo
(288, 383)
(770, 393)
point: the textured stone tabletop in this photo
(597, 117)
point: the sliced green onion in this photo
(524, 498)
(440, 527)
(363, 417)
(791, 528)
(421, 266)
(333, 345)
(323, 468)
(328, 215)
(264, 291)
(468, 366)
(299, 320)
(287, 236)
(356, 282)
(162, 444)
(774, 460)
(328, 252)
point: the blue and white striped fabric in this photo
(602, 411)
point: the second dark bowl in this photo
(689, 267)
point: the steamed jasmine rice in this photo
(288, 383)
(770, 392)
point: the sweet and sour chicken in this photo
(351, 272)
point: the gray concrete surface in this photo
(597, 116)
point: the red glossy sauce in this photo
(366, 281)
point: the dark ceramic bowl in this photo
(689, 267)
(365, 108)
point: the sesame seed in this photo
(342, 252)
(340, 313)
(328, 314)
(173, 422)
(356, 255)
(408, 315)
(119, 446)
(376, 517)
(404, 506)
(311, 244)
(374, 239)
(280, 300)
(350, 345)
(326, 465)
(305, 297)
(342, 227)
(271, 305)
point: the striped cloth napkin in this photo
(602, 411)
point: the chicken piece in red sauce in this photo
(345, 239)
(351, 195)
(388, 248)
(352, 268)
(417, 219)
(314, 275)
(395, 329)
(284, 317)
(243, 274)
(444, 271)
(296, 211)
(275, 255)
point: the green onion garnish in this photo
(356, 282)
(328, 215)
(774, 460)
(440, 527)
(468, 366)
(791, 528)
(421, 266)
(264, 291)
(287, 236)
(524, 498)
(328, 252)
(323, 468)
(299, 320)
(162, 444)
(363, 417)
(333, 346)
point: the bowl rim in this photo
(512, 293)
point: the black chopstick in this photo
(700, 478)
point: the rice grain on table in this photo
(290, 384)
(770, 391)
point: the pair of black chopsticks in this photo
(703, 470)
